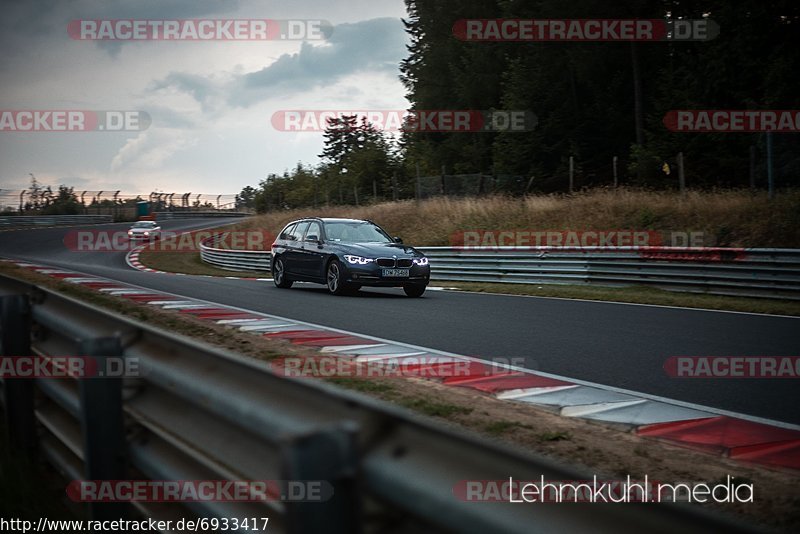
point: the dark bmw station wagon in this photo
(345, 254)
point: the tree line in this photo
(593, 101)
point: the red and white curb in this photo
(132, 259)
(737, 436)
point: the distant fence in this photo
(24, 221)
(161, 215)
(773, 273)
(111, 202)
(471, 185)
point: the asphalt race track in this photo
(614, 344)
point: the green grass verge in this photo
(435, 409)
(189, 263)
(636, 295)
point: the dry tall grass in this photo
(727, 218)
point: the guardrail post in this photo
(329, 455)
(18, 396)
(102, 423)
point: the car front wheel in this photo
(279, 275)
(414, 290)
(335, 278)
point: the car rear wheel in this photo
(334, 278)
(414, 290)
(279, 275)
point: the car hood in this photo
(378, 250)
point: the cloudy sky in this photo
(210, 102)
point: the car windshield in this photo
(355, 232)
(143, 224)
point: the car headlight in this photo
(357, 260)
(130, 232)
(420, 261)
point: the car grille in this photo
(391, 262)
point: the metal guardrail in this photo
(751, 272)
(202, 413)
(233, 260)
(737, 272)
(26, 221)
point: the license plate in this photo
(396, 273)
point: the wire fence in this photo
(97, 202)
(469, 185)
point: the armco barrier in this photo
(738, 272)
(233, 260)
(27, 221)
(202, 413)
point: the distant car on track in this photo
(346, 254)
(145, 230)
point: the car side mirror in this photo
(398, 239)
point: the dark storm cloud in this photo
(375, 45)
(47, 20)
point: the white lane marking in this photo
(457, 290)
(378, 358)
(347, 348)
(588, 409)
(528, 392)
(267, 327)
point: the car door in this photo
(312, 255)
(282, 245)
(293, 257)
